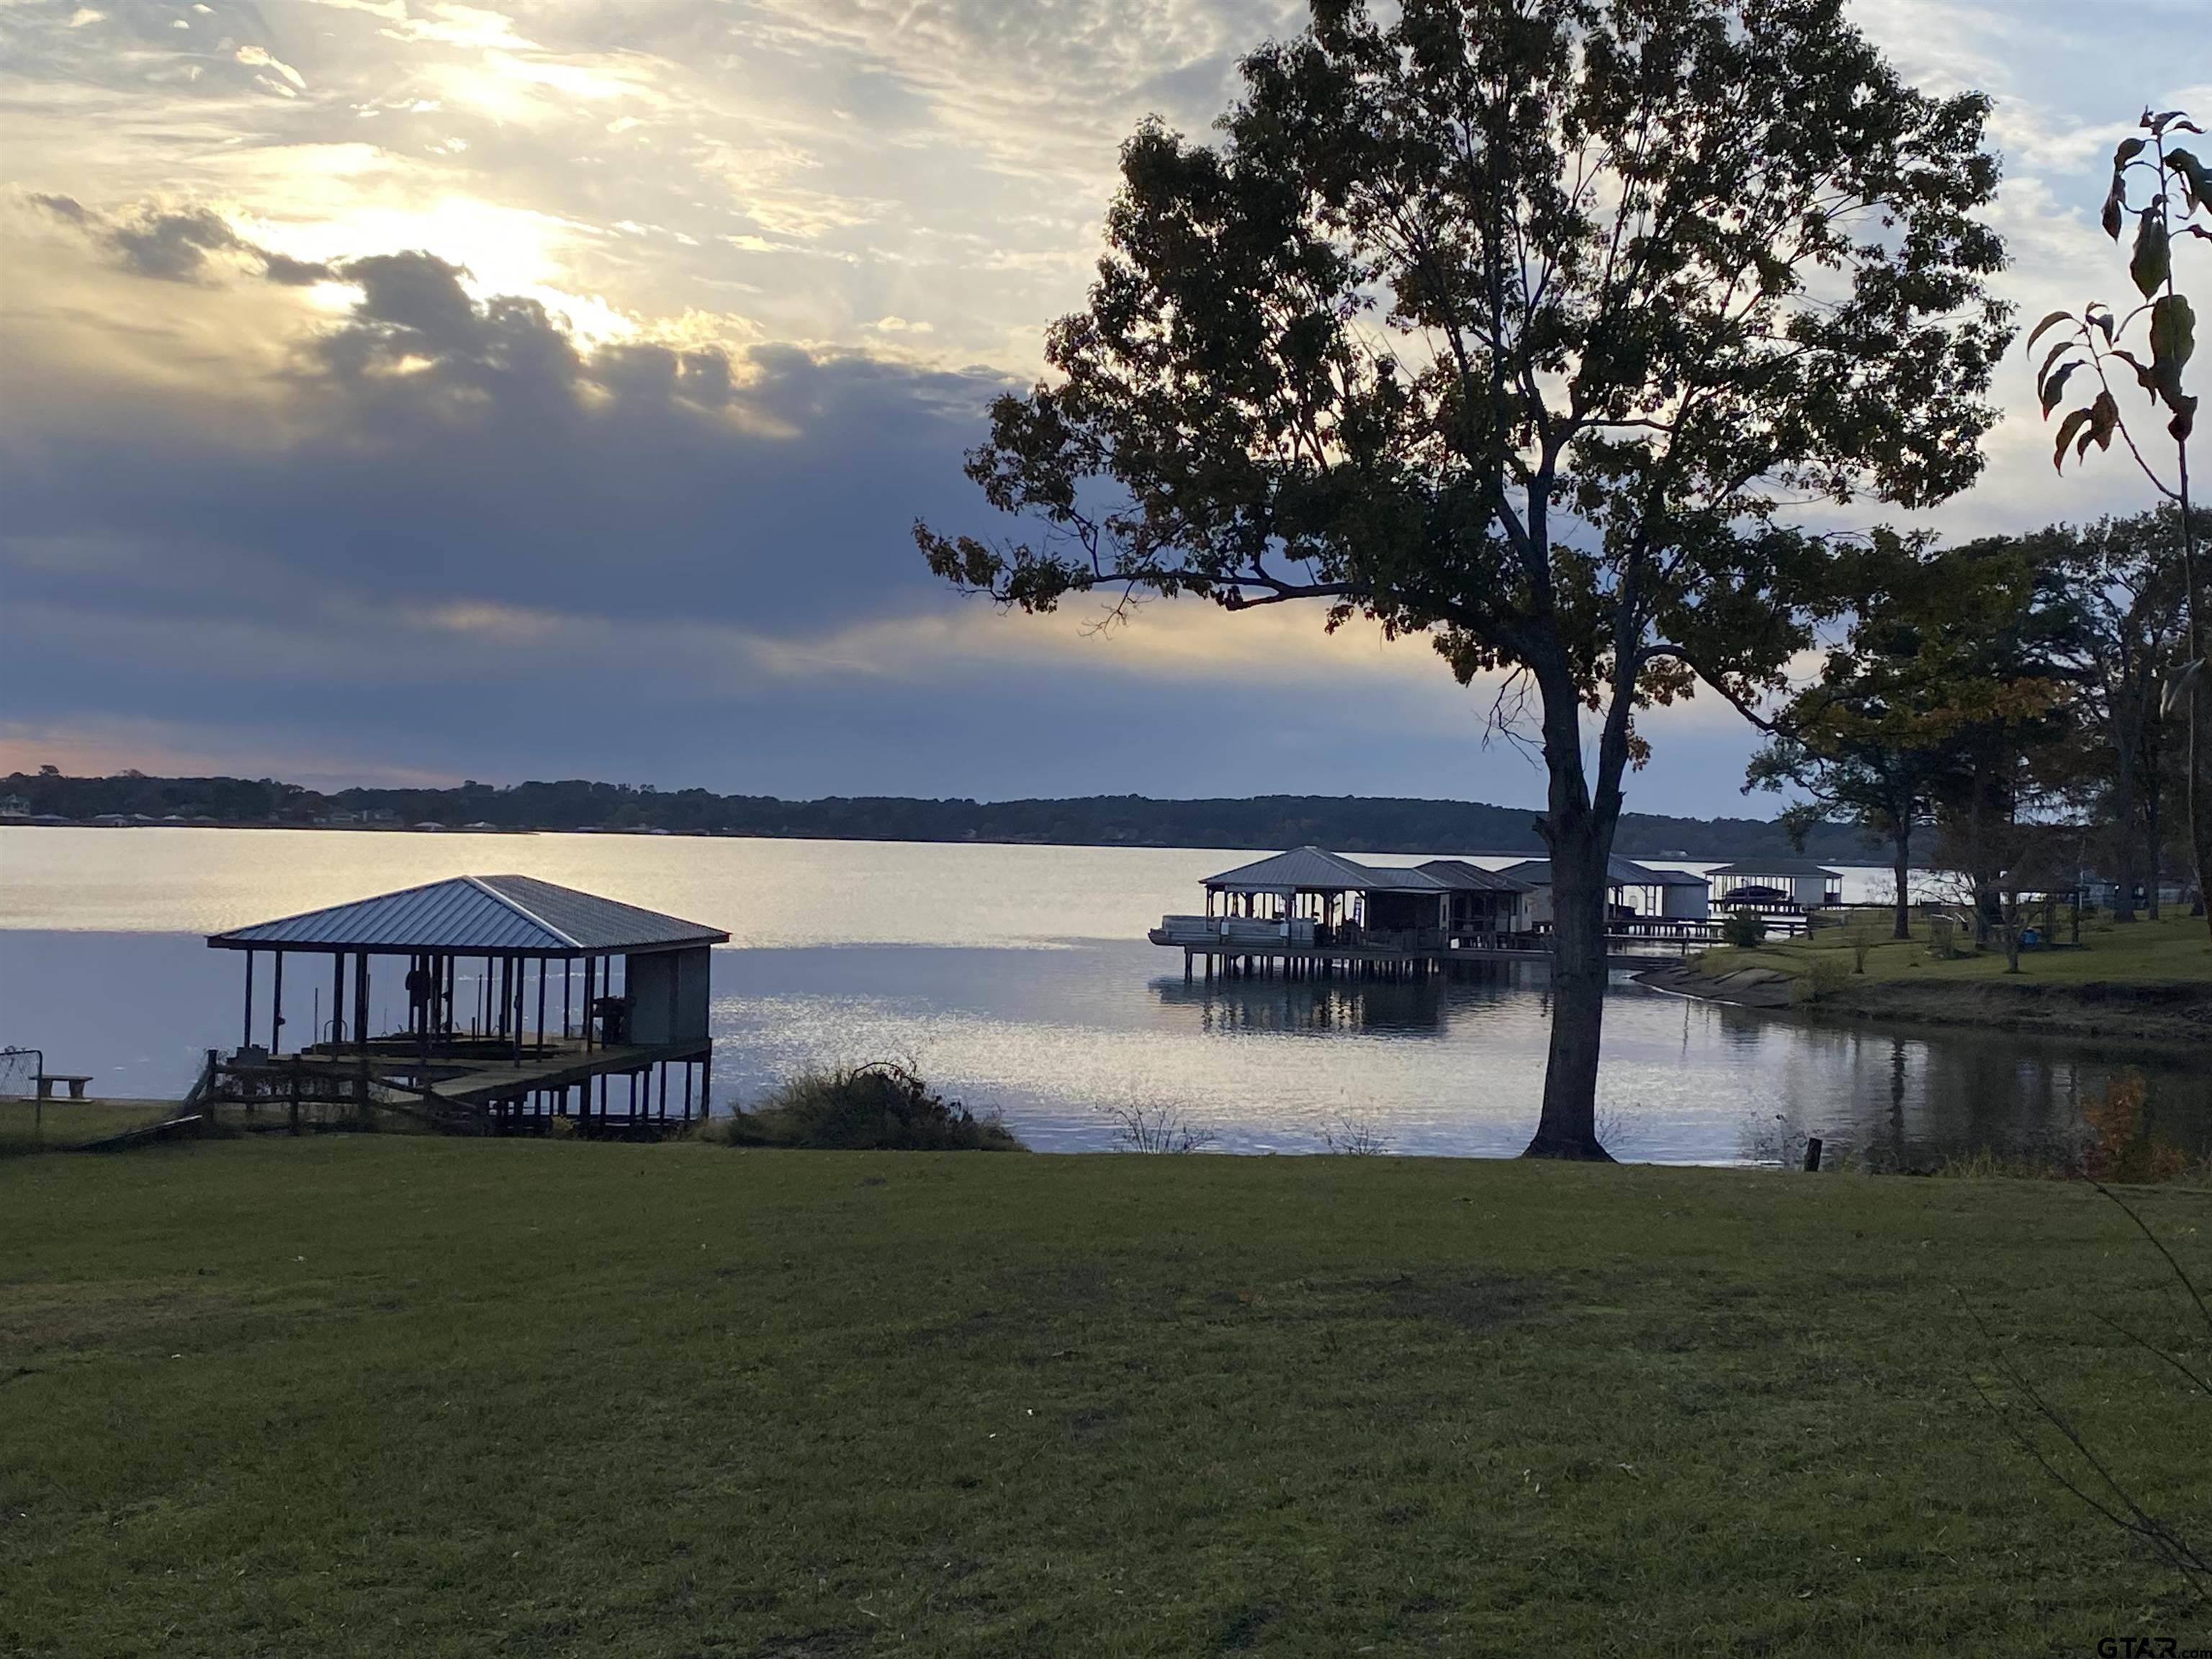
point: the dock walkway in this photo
(474, 1087)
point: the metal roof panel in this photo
(467, 915)
(1311, 869)
(1302, 866)
(1773, 867)
(1472, 877)
(600, 924)
(1619, 873)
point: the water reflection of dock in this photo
(1422, 1006)
(1310, 1006)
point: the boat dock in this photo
(469, 1087)
(1312, 913)
(618, 1038)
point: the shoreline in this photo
(2166, 1012)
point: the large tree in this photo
(2123, 581)
(1516, 324)
(1949, 682)
(1874, 739)
(1997, 636)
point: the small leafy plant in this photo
(2162, 185)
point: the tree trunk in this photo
(1901, 868)
(2123, 814)
(1580, 844)
(2200, 786)
(2153, 851)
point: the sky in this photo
(393, 391)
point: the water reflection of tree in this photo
(1914, 1100)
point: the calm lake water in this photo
(1018, 978)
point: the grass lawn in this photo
(28, 1126)
(387, 1394)
(2174, 949)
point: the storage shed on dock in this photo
(472, 971)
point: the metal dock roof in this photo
(1618, 873)
(1466, 877)
(1308, 869)
(468, 915)
(1784, 866)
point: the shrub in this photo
(883, 1105)
(1824, 976)
(1350, 1138)
(1744, 929)
(1619, 1129)
(1141, 1128)
(1942, 937)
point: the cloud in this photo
(432, 448)
(262, 58)
(576, 409)
(174, 245)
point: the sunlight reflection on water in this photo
(1017, 978)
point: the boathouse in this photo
(1307, 895)
(482, 1001)
(1775, 883)
(1314, 911)
(1634, 892)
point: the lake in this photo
(1018, 979)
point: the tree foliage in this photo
(1953, 677)
(1516, 324)
(2161, 186)
(2122, 583)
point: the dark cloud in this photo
(290, 272)
(463, 540)
(62, 207)
(174, 245)
(434, 449)
(171, 247)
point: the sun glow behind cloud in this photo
(876, 197)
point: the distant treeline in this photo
(1347, 824)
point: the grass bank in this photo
(31, 1126)
(374, 1395)
(2146, 982)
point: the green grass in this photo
(2174, 949)
(27, 1125)
(370, 1395)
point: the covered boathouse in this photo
(1313, 911)
(443, 1002)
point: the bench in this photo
(47, 1079)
